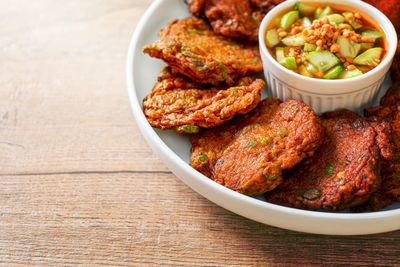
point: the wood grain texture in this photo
(63, 95)
(79, 185)
(120, 218)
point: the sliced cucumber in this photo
(288, 62)
(306, 22)
(310, 68)
(294, 40)
(322, 60)
(304, 9)
(356, 25)
(317, 12)
(371, 33)
(366, 46)
(334, 72)
(272, 38)
(347, 74)
(291, 63)
(335, 18)
(314, 71)
(303, 71)
(309, 47)
(288, 19)
(349, 17)
(280, 55)
(347, 47)
(371, 57)
(325, 12)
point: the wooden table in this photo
(79, 185)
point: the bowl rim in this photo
(174, 162)
(370, 10)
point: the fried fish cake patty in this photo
(191, 48)
(234, 18)
(178, 103)
(248, 154)
(344, 172)
(389, 192)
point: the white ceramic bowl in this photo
(327, 95)
(174, 149)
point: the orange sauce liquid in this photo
(367, 22)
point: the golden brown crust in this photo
(175, 101)
(196, 6)
(234, 18)
(343, 173)
(248, 154)
(389, 192)
(191, 48)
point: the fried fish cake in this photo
(248, 154)
(344, 172)
(389, 192)
(196, 6)
(208, 146)
(234, 18)
(178, 103)
(191, 48)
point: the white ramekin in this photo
(327, 95)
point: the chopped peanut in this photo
(366, 39)
(335, 48)
(282, 34)
(349, 17)
(351, 67)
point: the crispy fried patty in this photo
(344, 172)
(191, 48)
(234, 18)
(389, 192)
(248, 154)
(178, 103)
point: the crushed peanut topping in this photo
(335, 48)
(322, 33)
(351, 67)
(324, 42)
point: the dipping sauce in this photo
(326, 42)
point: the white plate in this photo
(174, 149)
